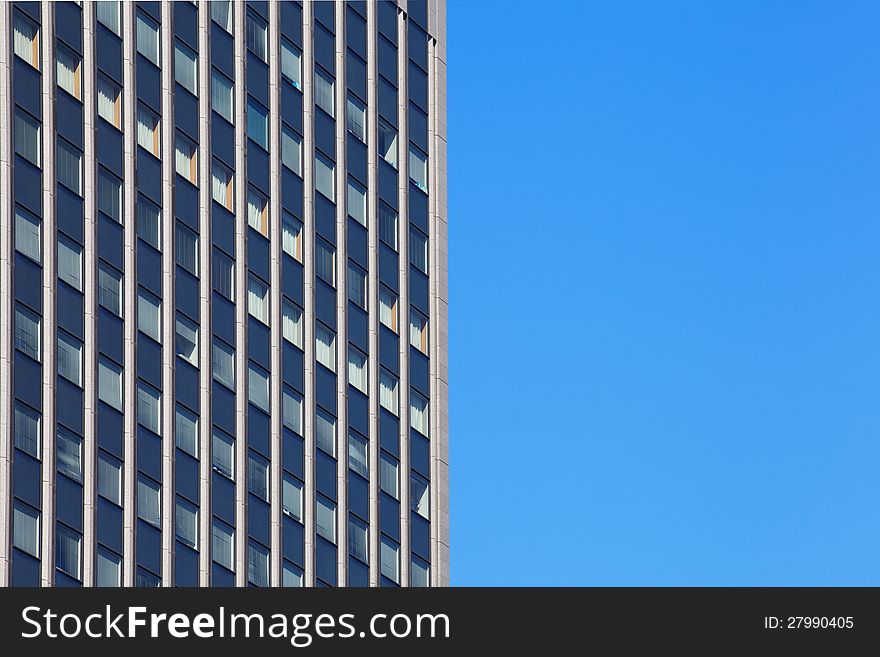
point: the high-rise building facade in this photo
(223, 352)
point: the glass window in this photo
(149, 408)
(149, 315)
(186, 523)
(419, 573)
(325, 518)
(325, 262)
(26, 529)
(291, 323)
(291, 150)
(70, 358)
(258, 475)
(148, 506)
(418, 412)
(110, 383)
(357, 369)
(27, 332)
(187, 342)
(258, 212)
(222, 185)
(144, 579)
(67, 551)
(357, 285)
(420, 496)
(186, 159)
(389, 553)
(223, 364)
(418, 249)
(27, 430)
(356, 118)
(388, 478)
(325, 347)
(27, 138)
(68, 65)
(388, 308)
(357, 539)
(291, 63)
(325, 177)
(223, 543)
(108, 565)
(70, 262)
(221, 95)
(255, 30)
(291, 235)
(221, 13)
(148, 37)
(68, 453)
(108, 14)
(148, 131)
(28, 234)
(149, 224)
(324, 91)
(325, 432)
(291, 576)
(69, 166)
(418, 330)
(258, 387)
(292, 410)
(358, 449)
(186, 431)
(109, 477)
(258, 123)
(388, 391)
(418, 168)
(291, 497)
(223, 453)
(109, 98)
(357, 201)
(258, 565)
(26, 39)
(186, 67)
(109, 194)
(223, 270)
(186, 243)
(258, 299)
(388, 143)
(388, 226)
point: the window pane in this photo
(148, 495)
(186, 431)
(70, 358)
(291, 497)
(325, 432)
(69, 166)
(187, 245)
(27, 430)
(67, 551)
(357, 455)
(108, 566)
(291, 323)
(70, 262)
(325, 518)
(418, 168)
(324, 176)
(419, 492)
(108, 13)
(258, 299)
(27, 234)
(291, 235)
(68, 453)
(221, 95)
(324, 91)
(388, 308)
(357, 285)
(109, 99)
(325, 347)
(26, 529)
(418, 249)
(357, 539)
(68, 71)
(418, 412)
(292, 410)
(257, 123)
(258, 387)
(149, 408)
(258, 475)
(186, 159)
(291, 150)
(258, 212)
(325, 262)
(148, 222)
(110, 383)
(356, 118)
(357, 369)
(223, 364)
(223, 545)
(357, 202)
(389, 553)
(223, 267)
(187, 342)
(388, 143)
(418, 330)
(255, 29)
(419, 574)
(388, 226)
(388, 479)
(27, 332)
(186, 523)
(388, 391)
(291, 576)
(27, 138)
(258, 565)
(222, 185)
(149, 315)
(221, 13)
(109, 194)
(223, 453)
(148, 38)
(148, 131)
(26, 39)
(291, 63)
(185, 68)
(109, 477)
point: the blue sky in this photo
(665, 292)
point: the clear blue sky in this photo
(665, 292)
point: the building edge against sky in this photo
(223, 276)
